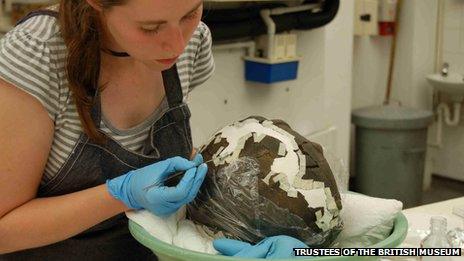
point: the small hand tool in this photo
(181, 173)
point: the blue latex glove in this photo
(160, 200)
(270, 247)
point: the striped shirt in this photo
(33, 58)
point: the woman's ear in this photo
(95, 5)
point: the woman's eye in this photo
(191, 16)
(150, 30)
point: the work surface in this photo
(419, 219)
(419, 222)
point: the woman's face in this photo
(152, 30)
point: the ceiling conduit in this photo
(246, 22)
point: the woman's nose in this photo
(173, 40)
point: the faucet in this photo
(444, 70)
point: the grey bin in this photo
(390, 152)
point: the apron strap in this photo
(172, 86)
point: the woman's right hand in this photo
(160, 199)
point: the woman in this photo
(53, 189)
(92, 102)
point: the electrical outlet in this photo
(280, 41)
(290, 46)
(366, 17)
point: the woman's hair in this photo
(81, 30)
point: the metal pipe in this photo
(439, 35)
(286, 10)
(266, 15)
(271, 27)
(444, 112)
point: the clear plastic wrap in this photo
(243, 198)
(339, 170)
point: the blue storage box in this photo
(266, 71)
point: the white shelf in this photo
(272, 61)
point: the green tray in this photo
(168, 252)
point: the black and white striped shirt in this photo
(33, 58)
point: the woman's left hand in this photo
(270, 247)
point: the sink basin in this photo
(453, 84)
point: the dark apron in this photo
(91, 164)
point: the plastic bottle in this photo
(437, 237)
(456, 238)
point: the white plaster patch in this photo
(282, 149)
(330, 201)
(258, 137)
(318, 185)
(283, 182)
(315, 197)
(288, 165)
(218, 152)
(303, 184)
(291, 166)
(292, 193)
(322, 198)
(268, 176)
(324, 221)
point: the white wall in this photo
(453, 34)
(318, 99)
(415, 58)
(448, 160)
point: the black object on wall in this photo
(245, 22)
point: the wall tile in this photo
(455, 60)
(452, 4)
(461, 40)
(451, 40)
(453, 14)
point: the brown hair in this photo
(81, 28)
